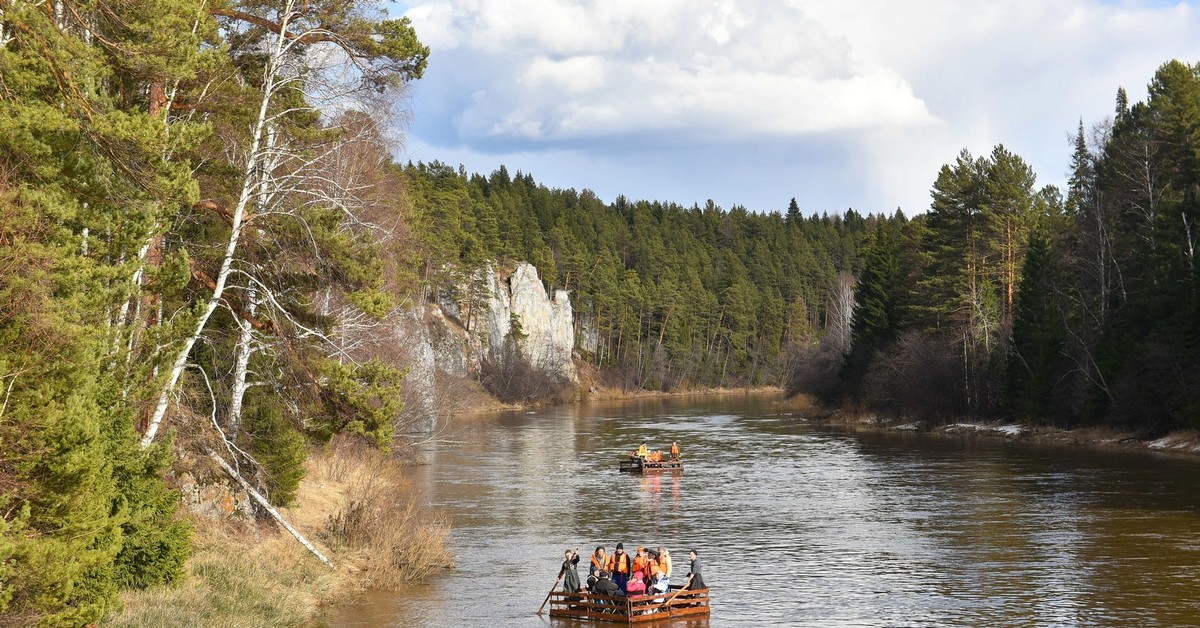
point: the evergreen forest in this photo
(190, 233)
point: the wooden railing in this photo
(629, 610)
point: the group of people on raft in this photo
(654, 456)
(647, 572)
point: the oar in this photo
(550, 593)
(681, 590)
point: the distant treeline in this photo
(671, 296)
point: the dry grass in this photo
(238, 577)
(354, 503)
(379, 524)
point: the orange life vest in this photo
(650, 568)
(620, 565)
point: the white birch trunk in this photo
(250, 181)
(262, 501)
(245, 348)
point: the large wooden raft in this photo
(630, 610)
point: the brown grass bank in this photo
(354, 504)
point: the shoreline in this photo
(1181, 444)
(616, 394)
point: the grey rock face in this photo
(452, 337)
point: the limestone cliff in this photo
(448, 340)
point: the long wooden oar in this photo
(681, 590)
(552, 587)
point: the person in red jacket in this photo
(636, 586)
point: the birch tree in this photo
(289, 46)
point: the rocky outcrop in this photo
(547, 333)
(451, 337)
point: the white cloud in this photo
(570, 71)
(875, 92)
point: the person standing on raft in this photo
(620, 566)
(697, 580)
(571, 582)
(674, 451)
(599, 562)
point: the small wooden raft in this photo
(630, 610)
(634, 464)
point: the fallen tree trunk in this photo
(270, 509)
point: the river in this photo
(801, 525)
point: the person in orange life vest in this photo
(659, 562)
(599, 561)
(639, 559)
(648, 563)
(674, 451)
(620, 566)
(636, 586)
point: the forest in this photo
(202, 233)
(672, 297)
(191, 240)
(1009, 300)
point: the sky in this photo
(836, 103)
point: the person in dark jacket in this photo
(571, 582)
(605, 585)
(694, 572)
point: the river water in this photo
(800, 525)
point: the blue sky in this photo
(838, 103)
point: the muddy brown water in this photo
(800, 525)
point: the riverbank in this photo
(354, 504)
(1182, 443)
(604, 394)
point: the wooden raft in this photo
(630, 610)
(633, 464)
